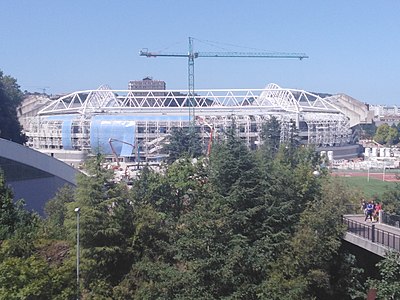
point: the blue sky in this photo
(64, 46)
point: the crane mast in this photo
(191, 55)
(191, 101)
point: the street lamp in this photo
(77, 210)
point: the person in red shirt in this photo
(378, 207)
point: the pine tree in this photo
(8, 213)
(183, 142)
(304, 269)
(231, 219)
(56, 211)
(105, 229)
(270, 137)
(17, 225)
(10, 99)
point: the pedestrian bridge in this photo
(376, 237)
(33, 176)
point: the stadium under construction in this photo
(133, 125)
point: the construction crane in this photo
(191, 55)
(44, 89)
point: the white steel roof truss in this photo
(225, 100)
(215, 100)
(163, 101)
(175, 100)
(196, 102)
(156, 103)
(249, 95)
(143, 102)
(135, 102)
(270, 100)
(203, 102)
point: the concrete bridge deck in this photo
(373, 236)
(33, 176)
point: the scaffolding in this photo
(84, 121)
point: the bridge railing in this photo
(375, 235)
(390, 219)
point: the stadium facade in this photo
(133, 125)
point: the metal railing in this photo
(390, 219)
(375, 235)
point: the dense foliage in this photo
(383, 134)
(10, 99)
(235, 225)
(387, 135)
(183, 142)
(389, 286)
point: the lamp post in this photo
(77, 210)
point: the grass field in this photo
(369, 189)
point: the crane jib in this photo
(227, 54)
(191, 55)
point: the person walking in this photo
(364, 206)
(378, 207)
(369, 211)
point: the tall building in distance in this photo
(147, 84)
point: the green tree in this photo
(105, 229)
(391, 200)
(183, 142)
(154, 189)
(10, 99)
(221, 241)
(386, 134)
(25, 278)
(228, 160)
(305, 269)
(388, 287)
(161, 202)
(270, 136)
(8, 213)
(206, 249)
(56, 211)
(17, 225)
(24, 274)
(393, 135)
(381, 133)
